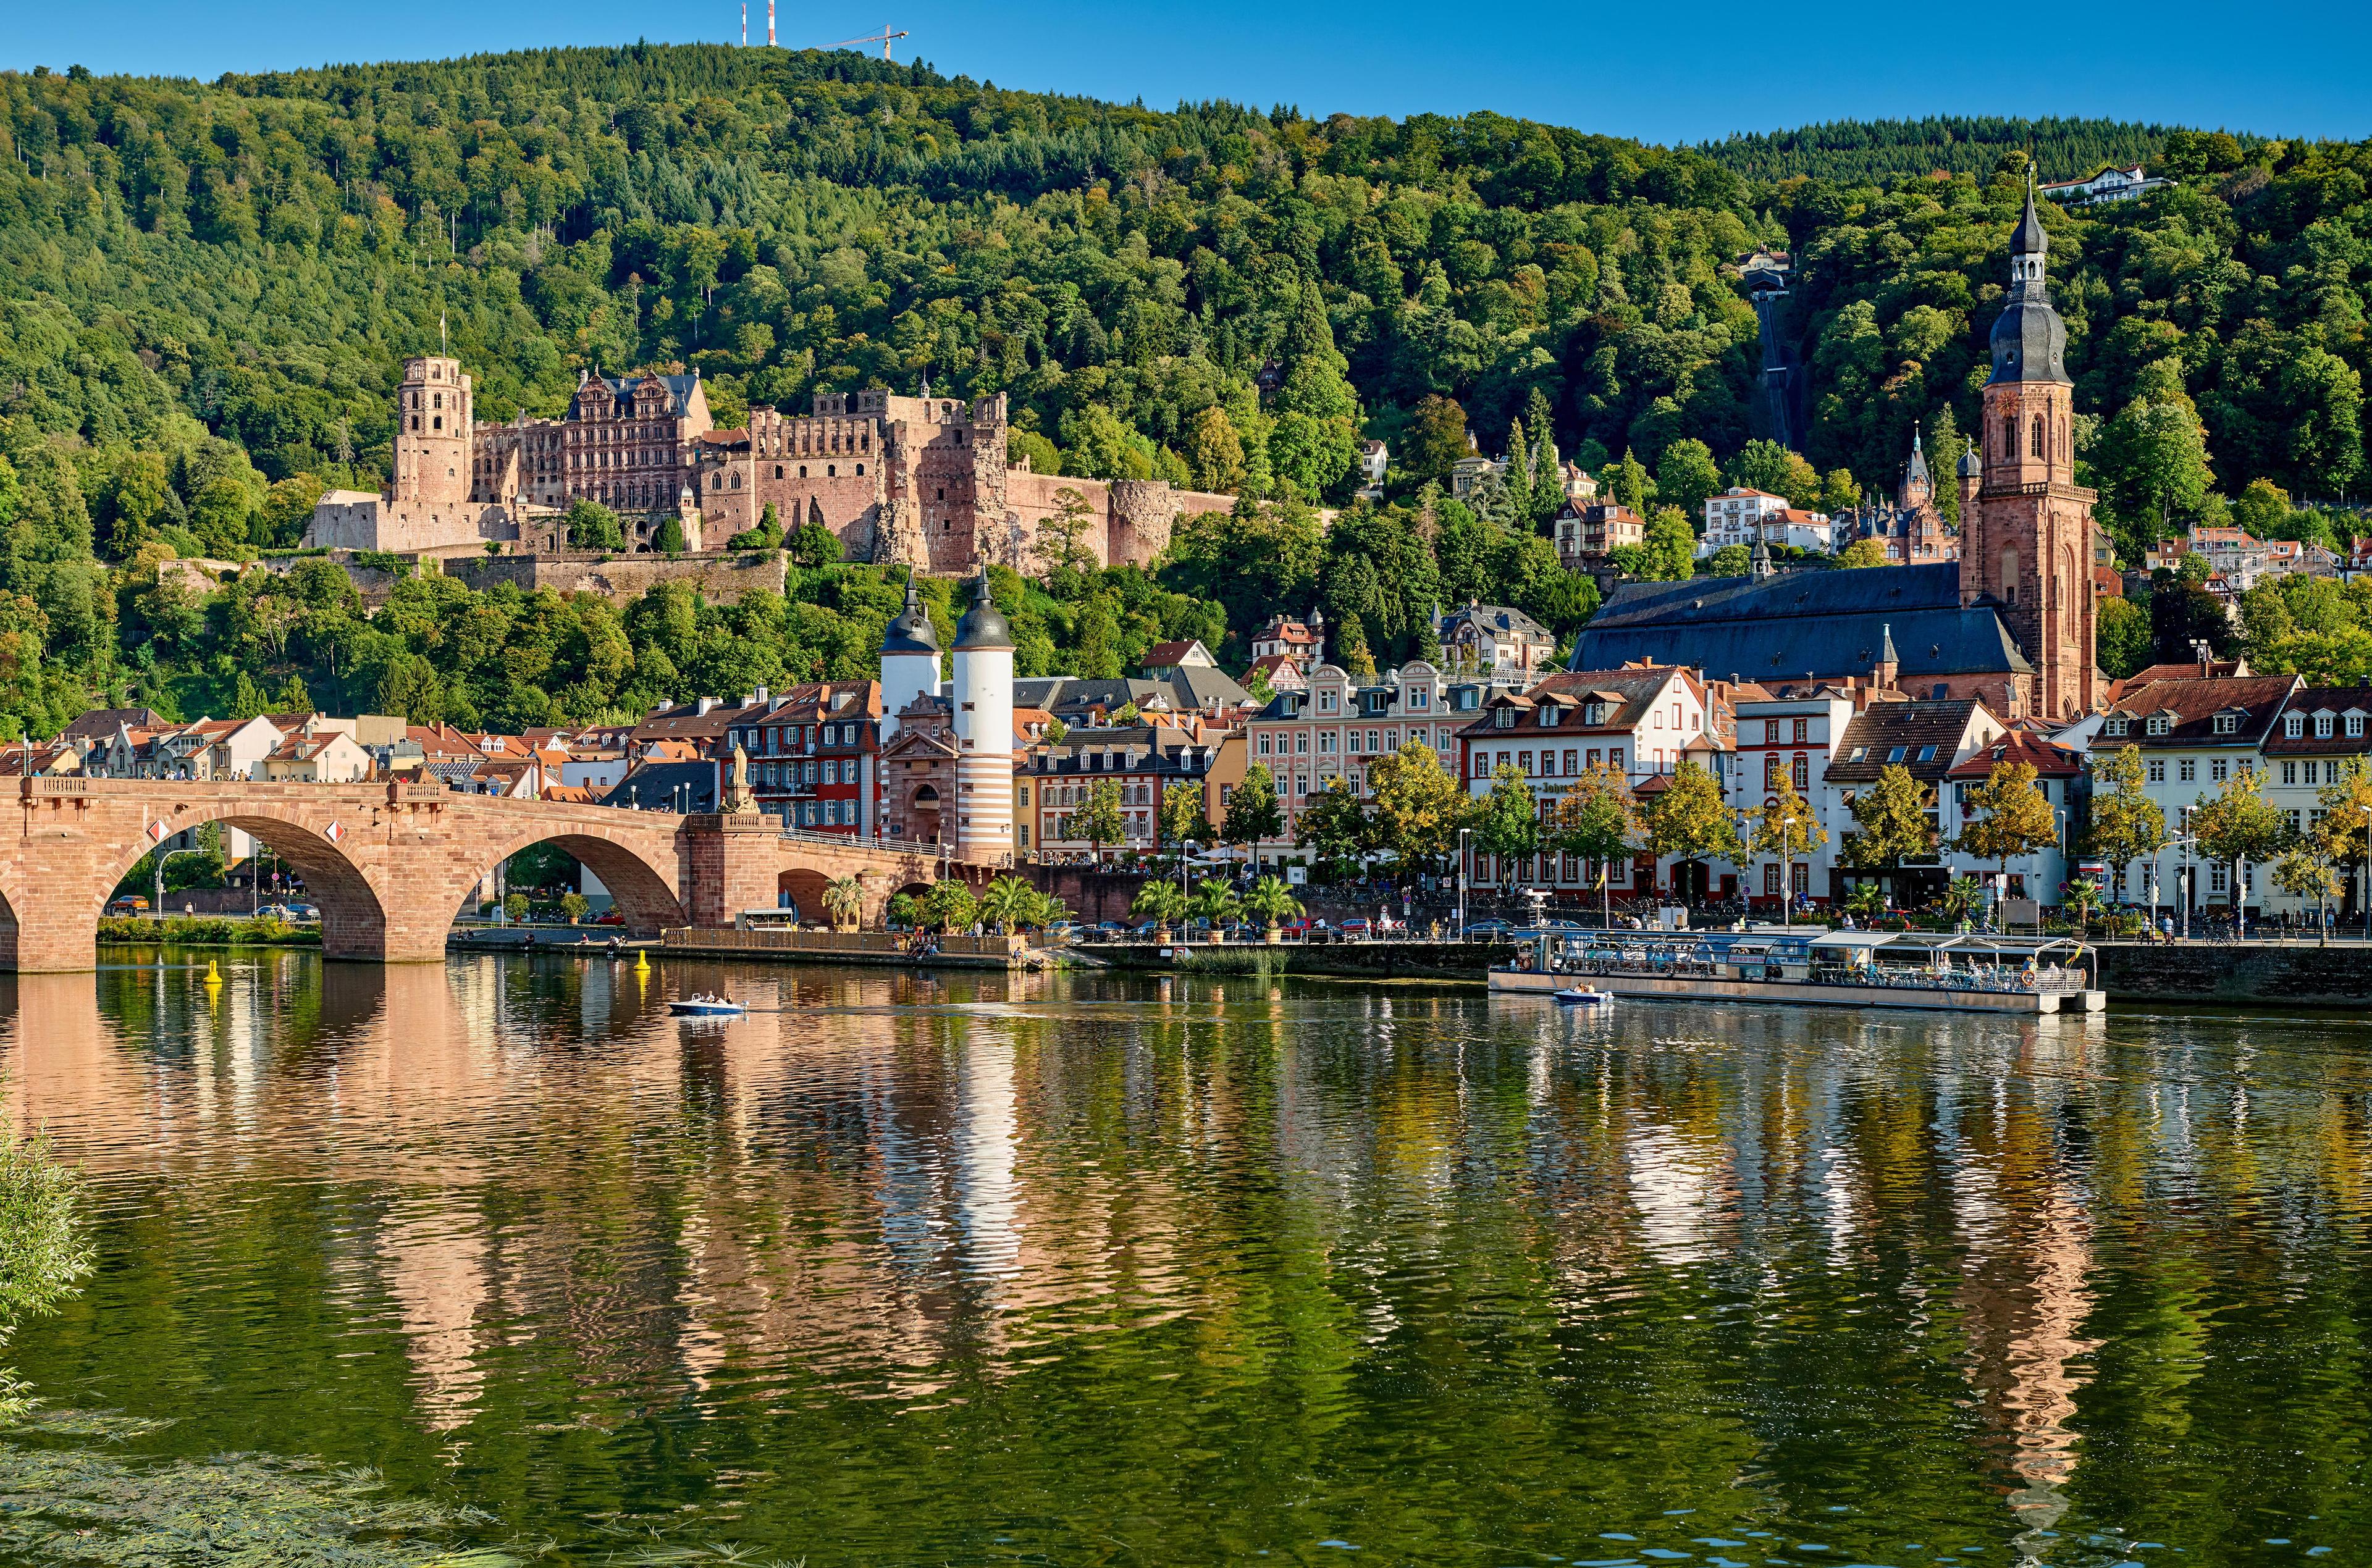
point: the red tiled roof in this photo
(2019, 746)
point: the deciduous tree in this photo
(2126, 825)
(1419, 805)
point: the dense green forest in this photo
(208, 288)
(1849, 150)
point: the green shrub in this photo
(42, 1250)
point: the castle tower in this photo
(2027, 542)
(432, 439)
(983, 727)
(1973, 478)
(910, 660)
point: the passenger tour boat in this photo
(1811, 966)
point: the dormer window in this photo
(1593, 713)
(2294, 726)
(1552, 715)
(2228, 723)
(2355, 726)
(1504, 718)
(2117, 726)
(2321, 725)
(2159, 723)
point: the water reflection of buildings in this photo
(900, 1191)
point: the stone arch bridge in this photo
(389, 864)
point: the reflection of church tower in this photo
(2028, 542)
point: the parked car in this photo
(609, 917)
(1488, 930)
(303, 911)
(1357, 928)
(130, 903)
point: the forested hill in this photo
(1881, 149)
(206, 289)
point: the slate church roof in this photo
(1797, 623)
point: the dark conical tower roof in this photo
(2030, 341)
(1971, 465)
(2027, 238)
(910, 632)
(983, 624)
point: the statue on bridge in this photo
(739, 800)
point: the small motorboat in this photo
(707, 1007)
(1582, 996)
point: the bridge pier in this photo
(730, 864)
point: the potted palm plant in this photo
(1160, 904)
(1273, 903)
(1215, 902)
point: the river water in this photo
(1093, 1268)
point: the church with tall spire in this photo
(2010, 621)
(2026, 525)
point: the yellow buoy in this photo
(642, 962)
(214, 977)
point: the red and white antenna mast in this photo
(769, 24)
(745, 24)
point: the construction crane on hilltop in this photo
(881, 38)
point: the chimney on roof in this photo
(703, 706)
(662, 705)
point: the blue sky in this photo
(1660, 72)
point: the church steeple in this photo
(1918, 485)
(2026, 525)
(2029, 340)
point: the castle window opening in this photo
(860, 471)
(832, 470)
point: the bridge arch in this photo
(353, 916)
(643, 890)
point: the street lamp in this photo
(1462, 833)
(157, 909)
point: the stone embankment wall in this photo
(1357, 960)
(2268, 974)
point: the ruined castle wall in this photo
(341, 521)
(1034, 499)
(721, 577)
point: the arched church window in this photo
(2009, 436)
(2009, 577)
(2039, 442)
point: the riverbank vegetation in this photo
(207, 931)
(217, 283)
(43, 1250)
